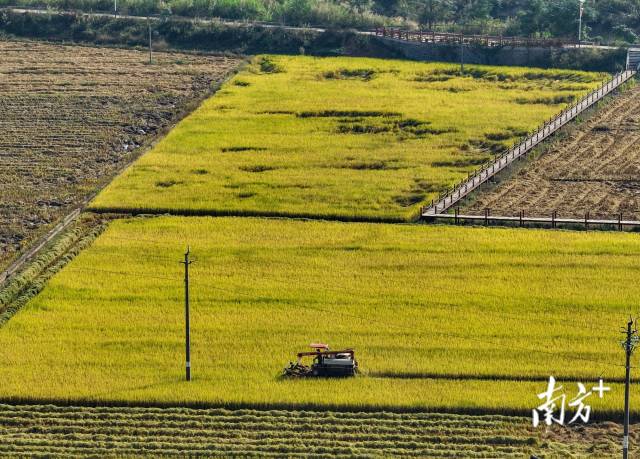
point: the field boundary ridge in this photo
(126, 211)
(522, 220)
(601, 415)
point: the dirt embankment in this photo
(72, 117)
(595, 169)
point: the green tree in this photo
(389, 7)
(434, 11)
(531, 20)
(467, 10)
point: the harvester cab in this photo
(324, 362)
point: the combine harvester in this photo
(326, 363)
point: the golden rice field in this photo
(52, 431)
(345, 138)
(469, 319)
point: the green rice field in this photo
(463, 319)
(344, 138)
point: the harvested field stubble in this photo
(47, 430)
(72, 116)
(595, 169)
(345, 138)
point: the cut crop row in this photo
(48, 430)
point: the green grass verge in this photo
(340, 138)
(460, 319)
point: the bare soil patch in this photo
(73, 116)
(595, 169)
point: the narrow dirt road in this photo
(595, 169)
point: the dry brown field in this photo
(71, 117)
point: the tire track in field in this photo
(596, 169)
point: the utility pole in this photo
(580, 23)
(629, 344)
(149, 27)
(461, 54)
(187, 318)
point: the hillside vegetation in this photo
(341, 138)
(604, 20)
(441, 317)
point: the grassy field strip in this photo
(412, 300)
(44, 430)
(370, 140)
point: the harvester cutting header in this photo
(325, 363)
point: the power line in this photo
(153, 241)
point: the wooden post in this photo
(486, 216)
(521, 217)
(457, 212)
(586, 220)
(553, 219)
(620, 221)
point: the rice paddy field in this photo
(345, 138)
(448, 318)
(49, 431)
(456, 329)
